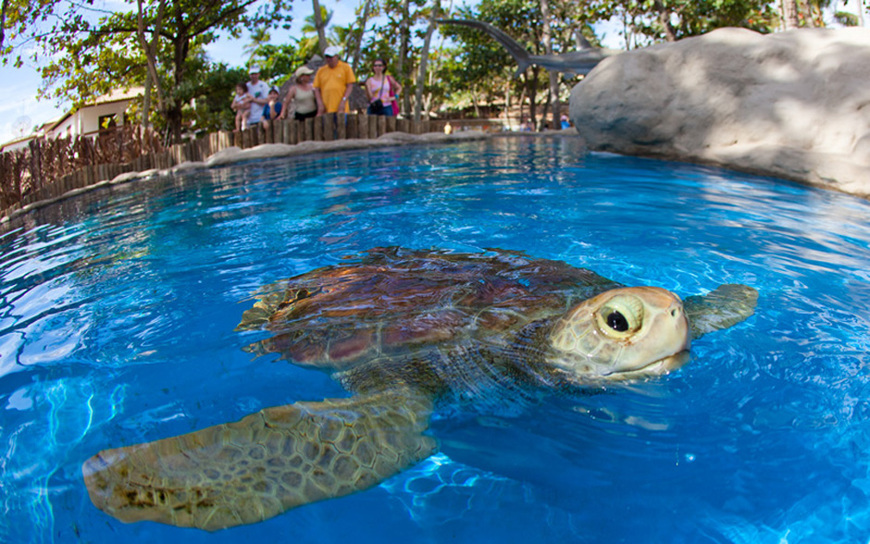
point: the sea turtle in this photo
(401, 329)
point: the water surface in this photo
(117, 312)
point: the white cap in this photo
(332, 51)
(254, 69)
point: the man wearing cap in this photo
(333, 83)
(259, 90)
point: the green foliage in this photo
(846, 19)
(259, 37)
(658, 20)
(482, 68)
(213, 98)
(278, 62)
(392, 40)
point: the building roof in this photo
(117, 95)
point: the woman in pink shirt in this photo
(381, 87)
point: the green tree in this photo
(259, 37)
(278, 62)
(314, 40)
(649, 21)
(483, 66)
(210, 111)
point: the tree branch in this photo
(150, 49)
(3, 22)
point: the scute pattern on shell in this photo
(393, 300)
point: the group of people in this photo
(329, 92)
(254, 100)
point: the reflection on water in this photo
(117, 311)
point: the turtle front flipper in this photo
(265, 463)
(724, 307)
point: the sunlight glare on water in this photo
(118, 309)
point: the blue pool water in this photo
(117, 311)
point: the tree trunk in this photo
(362, 30)
(507, 103)
(424, 60)
(146, 102)
(789, 10)
(522, 103)
(861, 13)
(3, 22)
(555, 106)
(174, 117)
(532, 84)
(404, 68)
(807, 10)
(665, 21)
(150, 49)
(318, 24)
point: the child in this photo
(242, 105)
(272, 110)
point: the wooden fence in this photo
(49, 168)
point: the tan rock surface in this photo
(794, 105)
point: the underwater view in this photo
(119, 308)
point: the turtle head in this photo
(626, 333)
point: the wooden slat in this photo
(341, 129)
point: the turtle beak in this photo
(658, 368)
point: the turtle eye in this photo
(621, 316)
(617, 321)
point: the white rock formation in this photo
(794, 105)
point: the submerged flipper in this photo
(264, 464)
(724, 307)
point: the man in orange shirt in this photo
(333, 83)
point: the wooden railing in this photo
(49, 168)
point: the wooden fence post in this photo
(363, 126)
(35, 164)
(341, 121)
(353, 126)
(318, 128)
(290, 131)
(306, 129)
(329, 121)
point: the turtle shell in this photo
(393, 300)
